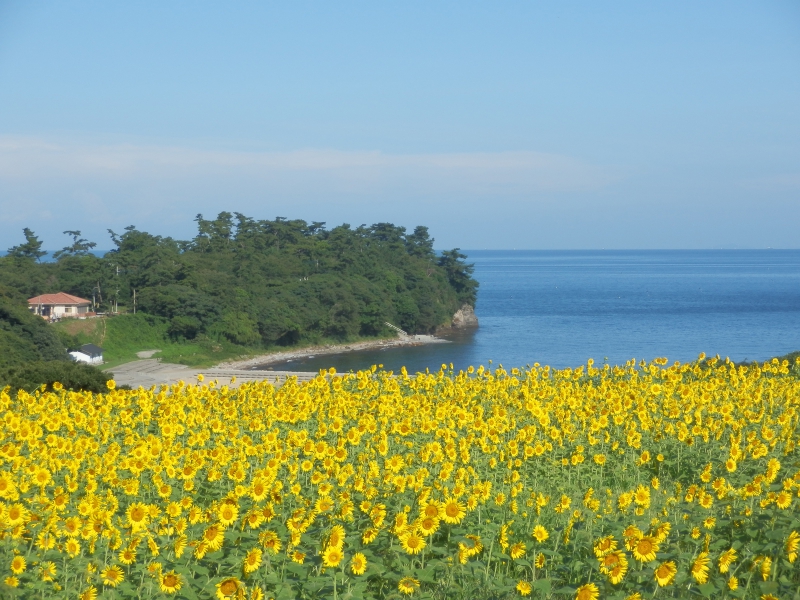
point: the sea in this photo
(560, 308)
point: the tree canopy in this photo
(262, 282)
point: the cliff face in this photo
(464, 318)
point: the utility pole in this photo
(134, 300)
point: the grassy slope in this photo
(123, 336)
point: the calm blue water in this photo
(563, 307)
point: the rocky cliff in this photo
(464, 318)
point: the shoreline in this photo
(314, 351)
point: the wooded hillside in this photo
(260, 283)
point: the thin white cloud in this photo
(30, 159)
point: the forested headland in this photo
(245, 284)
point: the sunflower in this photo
(471, 546)
(254, 519)
(539, 562)
(433, 509)
(214, 536)
(257, 594)
(540, 533)
(517, 550)
(252, 560)
(298, 557)
(227, 513)
(369, 535)
(792, 545)
(138, 516)
(617, 574)
(89, 593)
(644, 549)
(605, 545)
(408, 585)
(766, 567)
(72, 526)
(270, 541)
(11, 581)
(73, 547)
(336, 537)
(323, 504)
(726, 559)
(259, 489)
(332, 556)
(428, 525)
(17, 514)
(230, 588)
(642, 496)
(200, 550)
(412, 542)
(588, 591)
(358, 564)
(127, 556)
(453, 512)
(112, 576)
(784, 500)
(524, 588)
(18, 565)
(665, 573)
(180, 545)
(700, 568)
(614, 561)
(48, 571)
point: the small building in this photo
(89, 354)
(60, 305)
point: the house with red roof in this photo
(60, 305)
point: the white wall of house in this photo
(85, 358)
(60, 310)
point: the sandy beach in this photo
(312, 351)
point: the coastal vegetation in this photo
(243, 285)
(640, 480)
(32, 354)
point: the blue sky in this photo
(498, 125)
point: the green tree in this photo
(79, 246)
(420, 243)
(31, 249)
(459, 274)
(251, 283)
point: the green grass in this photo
(121, 337)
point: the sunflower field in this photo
(642, 480)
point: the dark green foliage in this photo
(25, 337)
(256, 283)
(72, 376)
(31, 249)
(459, 275)
(79, 246)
